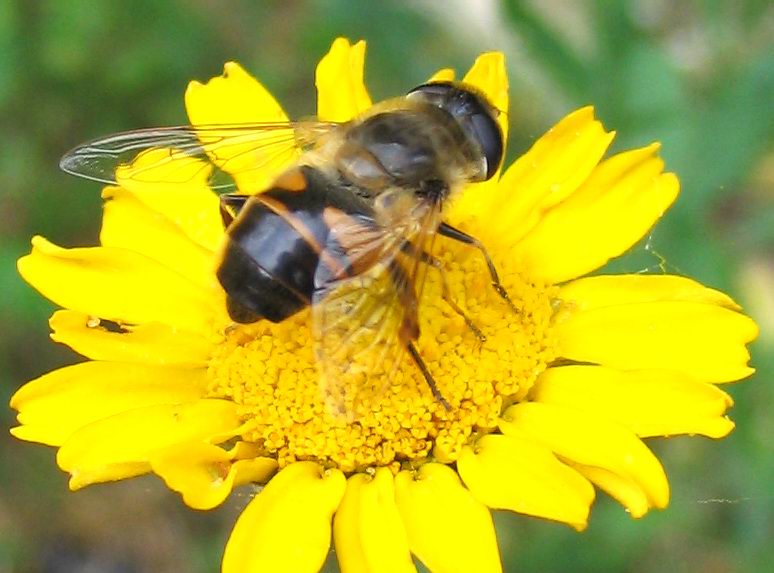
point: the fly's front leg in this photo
(409, 329)
(455, 234)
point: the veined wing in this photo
(252, 154)
(362, 324)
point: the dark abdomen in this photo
(273, 249)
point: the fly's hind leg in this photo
(455, 234)
(409, 328)
(414, 353)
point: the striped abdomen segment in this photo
(279, 246)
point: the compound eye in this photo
(487, 133)
(476, 116)
(435, 93)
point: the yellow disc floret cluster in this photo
(270, 371)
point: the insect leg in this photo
(412, 350)
(230, 205)
(455, 234)
(435, 263)
(409, 329)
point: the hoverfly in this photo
(347, 228)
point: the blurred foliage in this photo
(697, 76)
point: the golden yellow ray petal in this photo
(237, 97)
(119, 285)
(160, 239)
(448, 529)
(122, 445)
(233, 97)
(442, 75)
(351, 552)
(178, 189)
(367, 529)
(621, 200)
(252, 470)
(287, 527)
(552, 170)
(508, 472)
(591, 441)
(489, 75)
(205, 474)
(622, 488)
(152, 343)
(56, 405)
(702, 340)
(610, 290)
(648, 402)
(341, 92)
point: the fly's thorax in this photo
(407, 145)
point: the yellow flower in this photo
(554, 402)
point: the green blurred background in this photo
(696, 75)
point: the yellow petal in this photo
(205, 474)
(489, 75)
(703, 340)
(252, 470)
(648, 402)
(234, 97)
(508, 472)
(238, 98)
(152, 343)
(623, 489)
(160, 239)
(122, 445)
(554, 167)
(368, 531)
(178, 189)
(610, 290)
(341, 93)
(621, 200)
(54, 406)
(448, 529)
(287, 527)
(442, 75)
(118, 285)
(591, 441)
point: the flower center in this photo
(269, 370)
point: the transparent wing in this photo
(362, 324)
(250, 153)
